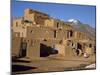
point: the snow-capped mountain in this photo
(79, 26)
(74, 21)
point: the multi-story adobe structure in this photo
(36, 35)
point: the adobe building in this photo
(37, 35)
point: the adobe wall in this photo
(33, 49)
(35, 16)
(48, 33)
(16, 43)
(39, 33)
(18, 27)
(80, 36)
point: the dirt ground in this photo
(51, 64)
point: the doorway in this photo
(44, 50)
(79, 46)
(23, 49)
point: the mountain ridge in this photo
(79, 26)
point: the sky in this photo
(84, 13)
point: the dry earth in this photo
(51, 63)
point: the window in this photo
(31, 31)
(57, 24)
(16, 24)
(67, 34)
(71, 33)
(54, 33)
(60, 42)
(72, 44)
(45, 40)
(28, 41)
(90, 45)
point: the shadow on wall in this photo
(46, 50)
